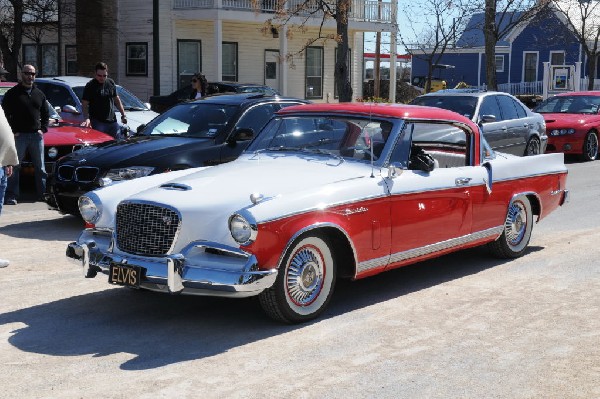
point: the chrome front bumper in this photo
(202, 268)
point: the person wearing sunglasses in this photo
(199, 84)
(25, 109)
(99, 100)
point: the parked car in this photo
(573, 123)
(66, 92)
(324, 191)
(508, 125)
(162, 103)
(60, 139)
(208, 131)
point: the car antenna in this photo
(371, 141)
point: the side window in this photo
(520, 109)
(257, 117)
(58, 96)
(489, 106)
(507, 106)
(440, 143)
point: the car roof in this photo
(72, 81)
(240, 98)
(580, 93)
(455, 93)
(379, 110)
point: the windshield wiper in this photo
(131, 108)
(301, 149)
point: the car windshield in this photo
(464, 105)
(130, 102)
(570, 105)
(203, 120)
(340, 137)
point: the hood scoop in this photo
(175, 186)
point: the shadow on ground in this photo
(160, 329)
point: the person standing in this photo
(99, 101)
(8, 159)
(27, 114)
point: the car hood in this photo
(569, 120)
(136, 118)
(135, 151)
(288, 183)
(73, 135)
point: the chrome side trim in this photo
(428, 249)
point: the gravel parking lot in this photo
(461, 326)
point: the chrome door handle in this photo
(461, 181)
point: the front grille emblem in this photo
(167, 220)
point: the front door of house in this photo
(272, 69)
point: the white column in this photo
(577, 77)
(283, 63)
(218, 60)
(393, 51)
(546, 81)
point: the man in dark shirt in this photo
(27, 113)
(99, 100)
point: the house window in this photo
(530, 66)
(189, 60)
(349, 62)
(137, 59)
(499, 63)
(71, 60)
(43, 57)
(314, 72)
(230, 54)
(557, 58)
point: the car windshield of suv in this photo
(201, 120)
(339, 137)
(130, 102)
(570, 105)
(464, 105)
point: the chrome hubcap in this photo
(305, 276)
(516, 224)
(592, 146)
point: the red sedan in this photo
(60, 139)
(572, 123)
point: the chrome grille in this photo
(146, 229)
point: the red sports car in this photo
(572, 123)
(61, 138)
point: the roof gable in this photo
(473, 33)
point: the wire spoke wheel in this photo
(304, 284)
(517, 230)
(590, 147)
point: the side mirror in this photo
(242, 134)
(57, 109)
(70, 109)
(140, 128)
(487, 118)
(148, 105)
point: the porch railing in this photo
(361, 10)
(533, 88)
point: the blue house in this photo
(519, 57)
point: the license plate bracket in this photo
(124, 274)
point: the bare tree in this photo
(583, 19)
(287, 11)
(11, 34)
(502, 16)
(436, 24)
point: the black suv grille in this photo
(146, 229)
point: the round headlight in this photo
(240, 229)
(52, 152)
(88, 209)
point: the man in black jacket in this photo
(26, 111)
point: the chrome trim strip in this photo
(428, 249)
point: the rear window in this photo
(464, 105)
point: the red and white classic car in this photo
(325, 191)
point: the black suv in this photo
(209, 131)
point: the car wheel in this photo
(517, 230)
(533, 146)
(590, 147)
(304, 283)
